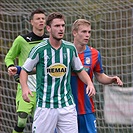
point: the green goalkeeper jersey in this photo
(53, 72)
(20, 49)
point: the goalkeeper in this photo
(91, 60)
(20, 49)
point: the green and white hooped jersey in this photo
(53, 73)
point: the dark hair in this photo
(52, 16)
(37, 11)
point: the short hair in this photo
(53, 16)
(37, 11)
(79, 22)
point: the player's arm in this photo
(13, 52)
(13, 70)
(90, 90)
(28, 67)
(25, 89)
(11, 56)
(102, 77)
(105, 79)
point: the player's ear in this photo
(74, 32)
(48, 28)
(31, 21)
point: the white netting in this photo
(112, 35)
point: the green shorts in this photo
(23, 106)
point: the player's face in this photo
(83, 34)
(38, 21)
(57, 29)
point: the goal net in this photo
(112, 35)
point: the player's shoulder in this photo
(68, 44)
(19, 39)
(28, 36)
(42, 44)
(32, 37)
(93, 49)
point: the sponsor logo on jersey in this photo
(87, 60)
(56, 70)
(29, 38)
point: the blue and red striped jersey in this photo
(91, 60)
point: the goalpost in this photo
(112, 35)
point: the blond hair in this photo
(79, 22)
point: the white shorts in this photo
(64, 120)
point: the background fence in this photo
(112, 35)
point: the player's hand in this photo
(12, 70)
(26, 93)
(90, 90)
(117, 81)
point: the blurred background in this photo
(112, 35)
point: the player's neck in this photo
(38, 32)
(80, 48)
(55, 43)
